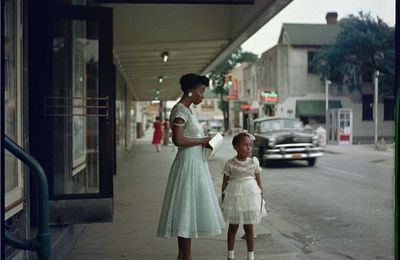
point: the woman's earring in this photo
(190, 94)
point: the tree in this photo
(364, 45)
(217, 77)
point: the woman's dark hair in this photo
(191, 81)
(237, 138)
(157, 118)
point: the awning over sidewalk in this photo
(145, 34)
(314, 107)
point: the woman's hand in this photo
(205, 140)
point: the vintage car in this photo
(214, 127)
(279, 138)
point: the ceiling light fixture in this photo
(164, 56)
(157, 91)
(160, 79)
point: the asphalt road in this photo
(342, 208)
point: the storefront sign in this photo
(269, 96)
(235, 90)
(245, 107)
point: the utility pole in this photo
(376, 74)
(327, 83)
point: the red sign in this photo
(269, 99)
(235, 90)
(245, 107)
(235, 87)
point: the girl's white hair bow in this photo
(252, 138)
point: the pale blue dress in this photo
(190, 208)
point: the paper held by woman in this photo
(215, 144)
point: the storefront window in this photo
(120, 113)
(75, 107)
(12, 95)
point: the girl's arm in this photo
(180, 140)
(258, 180)
(224, 184)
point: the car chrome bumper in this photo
(292, 156)
(293, 152)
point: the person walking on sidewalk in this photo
(158, 134)
(242, 200)
(190, 208)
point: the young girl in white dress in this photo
(242, 201)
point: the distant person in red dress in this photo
(158, 134)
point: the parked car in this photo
(279, 138)
(215, 127)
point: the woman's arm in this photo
(224, 184)
(180, 140)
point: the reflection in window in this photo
(10, 91)
(75, 96)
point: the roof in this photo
(309, 34)
(144, 33)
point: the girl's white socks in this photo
(250, 255)
(231, 254)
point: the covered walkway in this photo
(138, 192)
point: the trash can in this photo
(321, 132)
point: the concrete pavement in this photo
(365, 152)
(138, 193)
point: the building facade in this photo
(301, 93)
(66, 103)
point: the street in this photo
(342, 208)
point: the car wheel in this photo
(311, 161)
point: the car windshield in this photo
(280, 124)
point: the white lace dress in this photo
(190, 208)
(243, 202)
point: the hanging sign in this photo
(269, 96)
(245, 106)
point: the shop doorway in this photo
(72, 112)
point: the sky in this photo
(314, 11)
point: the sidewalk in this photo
(138, 193)
(366, 152)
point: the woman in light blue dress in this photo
(190, 208)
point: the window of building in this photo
(310, 66)
(12, 106)
(367, 107)
(388, 108)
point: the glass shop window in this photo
(12, 105)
